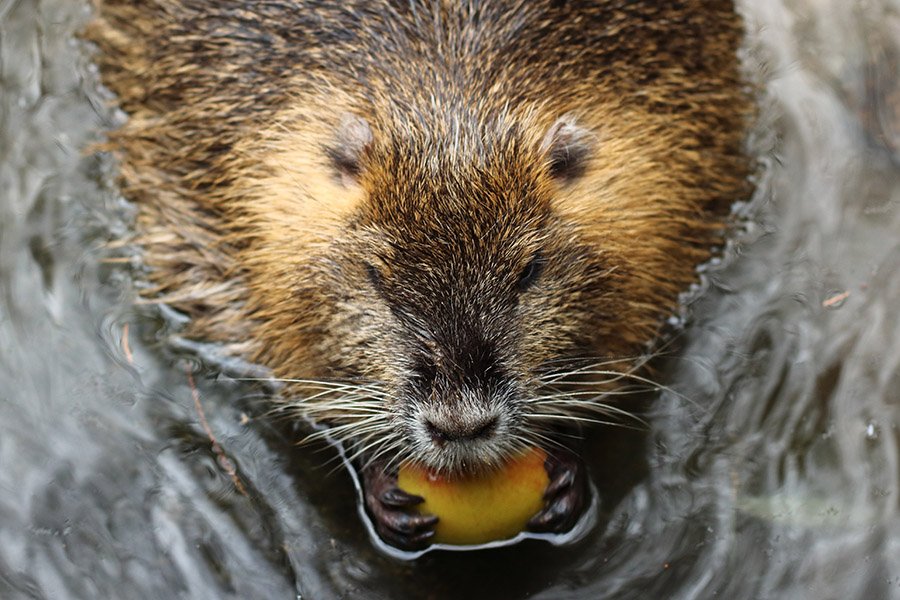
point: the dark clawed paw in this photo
(565, 497)
(392, 511)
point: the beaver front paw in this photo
(392, 511)
(566, 494)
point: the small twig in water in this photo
(836, 299)
(125, 347)
(221, 457)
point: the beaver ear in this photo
(567, 147)
(353, 139)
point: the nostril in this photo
(437, 434)
(442, 433)
(485, 430)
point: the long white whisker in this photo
(355, 426)
(567, 417)
(584, 406)
(369, 388)
(622, 391)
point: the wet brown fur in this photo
(247, 227)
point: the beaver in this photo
(452, 227)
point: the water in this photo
(770, 471)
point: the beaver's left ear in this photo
(352, 139)
(567, 147)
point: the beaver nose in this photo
(454, 431)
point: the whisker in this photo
(530, 436)
(399, 455)
(621, 391)
(368, 388)
(374, 458)
(617, 375)
(373, 423)
(577, 419)
(335, 414)
(341, 409)
(585, 406)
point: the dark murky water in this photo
(773, 473)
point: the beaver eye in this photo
(375, 277)
(531, 272)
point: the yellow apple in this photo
(480, 508)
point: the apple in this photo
(481, 508)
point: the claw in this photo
(405, 542)
(390, 509)
(565, 497)
(400, 499)
(559, 484)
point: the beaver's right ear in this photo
(567, 147)
(353, 138)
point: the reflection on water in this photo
(772, 472)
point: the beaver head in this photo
(440, 287)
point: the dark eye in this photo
(531, 272)
(374, 276)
